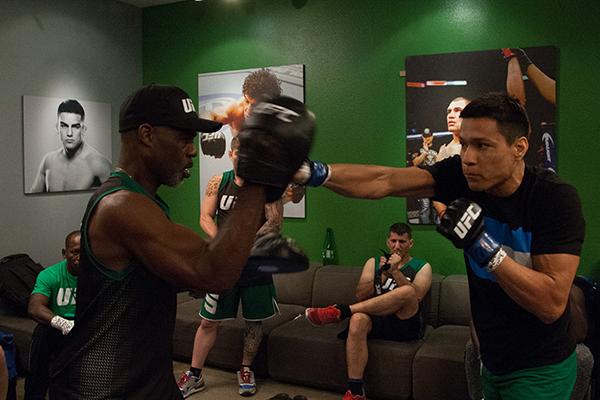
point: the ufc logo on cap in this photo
(188, 106)
(466, 221)
(279, 112)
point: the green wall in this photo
(353, 52)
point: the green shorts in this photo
(550, 382)
(258, 303)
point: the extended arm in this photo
(544, 84)
(208, 207)
(375, 182)
(514, 80)
(519, 61)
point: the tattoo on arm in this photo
(212, 187)
(274, 215)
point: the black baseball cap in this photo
(162, 105)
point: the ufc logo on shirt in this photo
(227, 202)
(188, 106)
(389, 284)
(466, 221)
(281, 113)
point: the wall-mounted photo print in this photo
(439, 86)
(66, 144)
(227, 97)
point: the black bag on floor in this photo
(17, 278)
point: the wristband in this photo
(496, 260)
(319, 173)
(484, 249)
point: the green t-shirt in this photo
(57, 283)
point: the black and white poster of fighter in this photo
(439, 86)
(228, 97)
(66, 144)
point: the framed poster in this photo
(439, 86)
(66, 144)
(227, 97)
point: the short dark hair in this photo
(262, 85)
(508, 113)
(71, 106)
(460, 98)
(400, 228)
(70, 236)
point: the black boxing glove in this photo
(463, 224)
(274, 141)
(213, 144)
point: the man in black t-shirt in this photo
(521, 229)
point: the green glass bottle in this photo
(329, 252)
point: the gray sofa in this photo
(295, 351)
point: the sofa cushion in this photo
(431, 302)
(438, 367)
(295, 288)
(313, 356)
(335, 284)
(455, 307)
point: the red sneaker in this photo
(323, 315)
(350, 396)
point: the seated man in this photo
(390, 291)
(52, 305)
(255, 289)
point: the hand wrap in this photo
(62, 324)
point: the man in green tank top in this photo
(389, 291)
(134, 258)
(255, 290)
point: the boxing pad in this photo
(213, 144)
(276, 138)
(463, 224)
(273, 253)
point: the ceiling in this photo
(148, 3)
